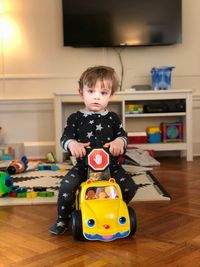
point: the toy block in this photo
(21, 195)
(42, 194)
(39, 188)
(49, 194)
(12, 194)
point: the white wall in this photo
(34, 63)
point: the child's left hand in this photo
(116, 147)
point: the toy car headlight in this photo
(90, 223)
(122, 220)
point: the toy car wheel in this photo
(133, 221)
(77, 231)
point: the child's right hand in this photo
(78, 149)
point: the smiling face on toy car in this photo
(105, 215)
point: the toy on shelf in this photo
(137, 137)
(154, 134)
(172, 131)
(101, 214)
(6, 183)
(18, 166)
(133, 108)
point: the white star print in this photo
(67, 181)
(99, 127)
(60, 224)
(122, 179)
(62, 208)
(91, 122)
(108, 138)
(126, 189)
(120, 126)
(65, 195)
(85, 115)
(89, 134)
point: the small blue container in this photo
(154, 138)
(161, 77)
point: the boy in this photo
(92, 126)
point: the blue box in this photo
(154, 138)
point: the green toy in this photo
(6, 183)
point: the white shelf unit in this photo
(65, 104)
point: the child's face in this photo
(96, 99)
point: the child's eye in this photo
(90, 91)
(104, 93)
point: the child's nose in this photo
(96, 95)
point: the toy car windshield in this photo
(101, 192)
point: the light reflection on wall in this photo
(9, 34)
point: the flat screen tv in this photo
(115, 23)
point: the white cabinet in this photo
(65, 104)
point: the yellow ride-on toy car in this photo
(101, 214)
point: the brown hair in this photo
(103, 73)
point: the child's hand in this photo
(116, 147)
(78, 149)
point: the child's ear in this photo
(80, 92)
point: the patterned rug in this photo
(149, 187)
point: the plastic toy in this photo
(154, 134)
(18, 166)
(7, 153)
(101, 214)
(48, 167)
(172, 131)
(6, 183)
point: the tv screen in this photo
(114, 23)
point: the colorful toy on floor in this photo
(48, 167)
(6, 183)
(18, 166)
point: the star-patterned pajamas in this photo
(98, 129)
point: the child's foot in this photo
(58, 228)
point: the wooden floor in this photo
(168, 232)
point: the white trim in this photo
(40, 143)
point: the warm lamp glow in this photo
(10, 35)
(6, 29)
